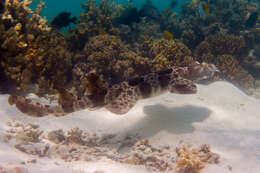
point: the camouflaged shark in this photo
(120, 98)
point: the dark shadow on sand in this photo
(176, 120)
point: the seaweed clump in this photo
(30, 51)
(227, 53)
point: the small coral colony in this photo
(111, 47)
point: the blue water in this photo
(54, 7)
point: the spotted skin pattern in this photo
(120, 98)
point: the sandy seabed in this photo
(219, 115)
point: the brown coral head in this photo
(200, 71)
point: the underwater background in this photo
(124, 40)
(129, 86)
(88, 47)
(57, 6)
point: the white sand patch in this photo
(219, 115)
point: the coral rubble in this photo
(78, 145)
(193, 160)
(13, 170)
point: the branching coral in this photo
(30, 50)
(111, 58)
(97, 19)
(219, 44)
(233, 72)
(166, 53)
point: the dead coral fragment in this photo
(13, 170)
(56, 136)
(25, 134)
(193, 160)
(76, 136)
(153, 158)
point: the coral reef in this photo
(30, 50)
(220, 44)
(227, 52)
(171, 22)
(96, 20)
(117, 50)
(232, 71)
(111, 58)
(193, 24)
(78, 145)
